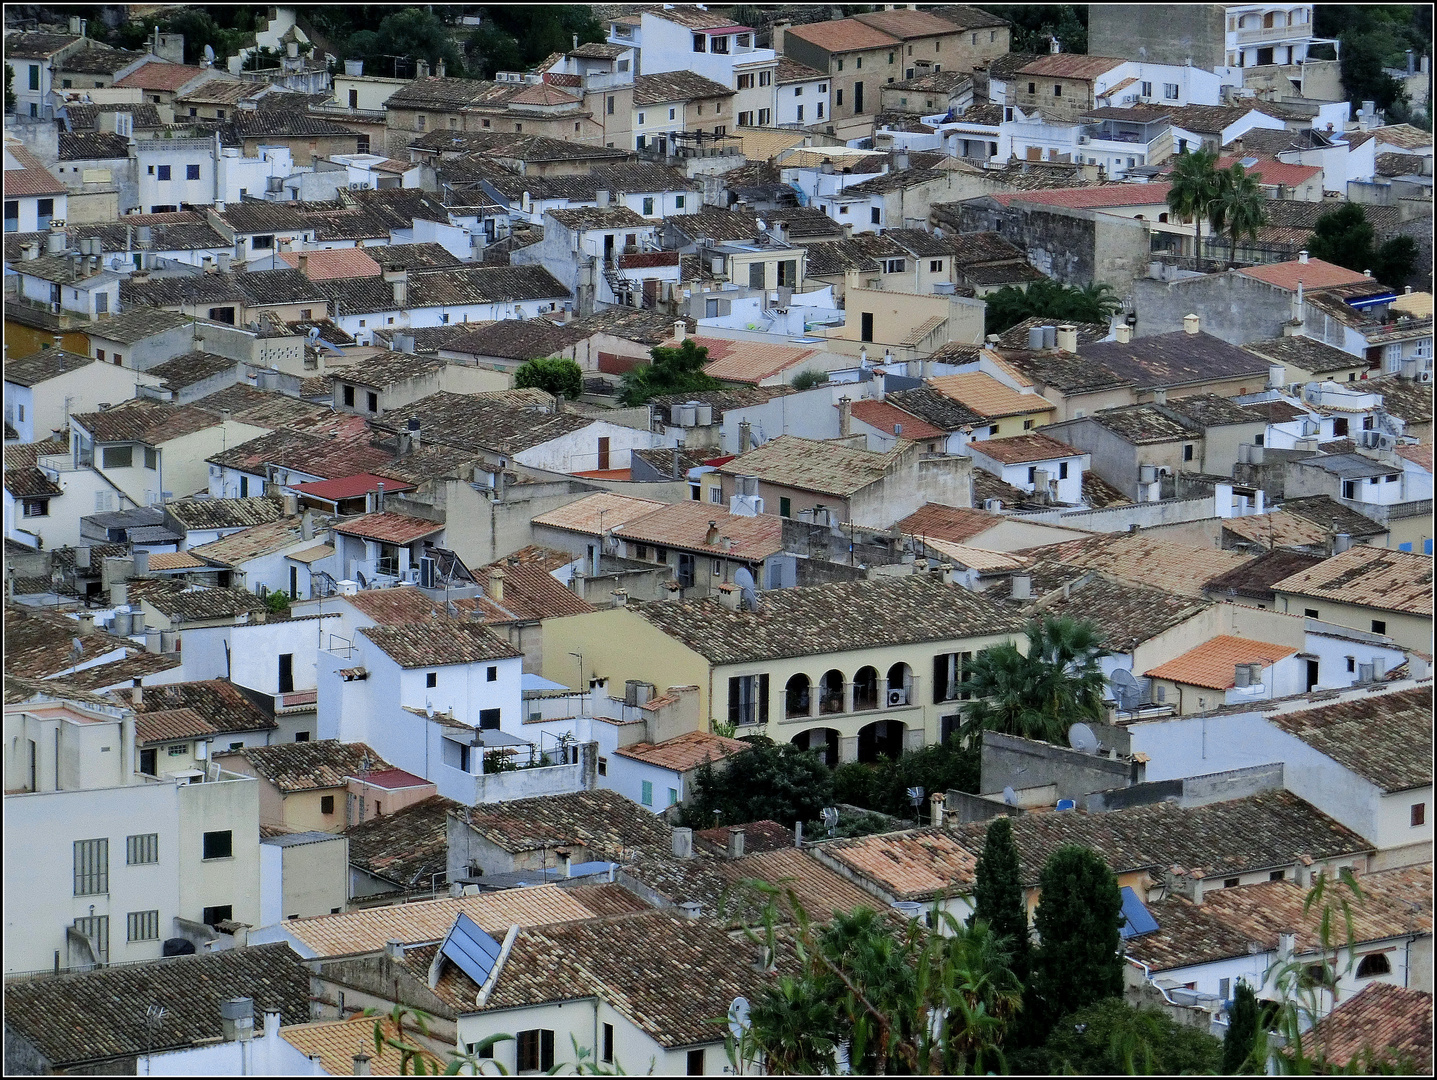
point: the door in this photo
(286, 672)
(147, 762)
(354, 99)
(32, 786)
(608, 249)
(857, 97)
(686, 571)
(1311, 674)
(603, 453)
(294, 583)
(866, 326)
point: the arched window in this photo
(830, 692)
(1374, 964)
(900, 685)
(865, 689)
(796, 696)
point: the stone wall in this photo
(1231, 306)
(1008, 761)
(1159, 34)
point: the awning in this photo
(535, 684)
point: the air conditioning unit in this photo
(1083, 139)
(897, 697)
(1424, 376)
(1369, 440)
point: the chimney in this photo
(711, 537)
(735, 841)
(683, 844)
(304, 263)
(845, 416)
(401, 290)
(680, 331)
(421, 69)
(291, 504)
(439, 70)
(1022, 586)
(361, 1060)
(728, 596)
(558, 404)
(1302, 257)
(1160, 395)
(690, 909)
(745, 440)
(1191, 324)
(379, 498)
(1286, 946)
(271, 1023)
(1068, 338)
(87, 624)
(237, 1019)
(137, 693)
(306, 524)
(1124, 334)
(601, 197)
(621, 598)
(496, 585)
(576, 44)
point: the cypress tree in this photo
(998, 893)
(1241, 1037)
(1077, 962)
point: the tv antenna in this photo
(1126, 690)
(749, 593)
(1010, 796)
(915, 796)
(830, 820)
(1082, 739)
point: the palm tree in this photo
(1238, 208)
(1194, 187)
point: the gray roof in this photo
(598, 217)
(444, 287)
(203, 514)
(839, 617)
(1174, 359)
(387, 368)
(44, 365)
(676, 86)
(474, 423)
(1349, 466)
(1140, 424)
(93, 146)
(136, 324)
(1306, 353)
(191, 368)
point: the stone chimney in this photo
(1124, 334)
(745, 439)
(306, 524)
(304, 263)
(1022, 586)
(496, 585)
(421, 69)
(711, 537)
(1068, 338)
(845, 416)
(621, 598)
(361, 1060)
(137, 693)
(1191, 324)
(735, 841)
(729, 596)
(680, 331)
(439, 70)
(87, 623)
(683, 843)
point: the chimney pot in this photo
(845, 416)
(1124, 333)
(735, 841)
(496, 585)
(1302, 257)
(1191, 324)
(680, 331)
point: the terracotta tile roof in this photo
(1307, 353)
(505, 422)
(1172, 567)
(839, 617)
(205, 514)
(37, 44)
(1391, 1022)
(29, 482)
(1211, 663)
(1277, 528)
(1270, 172)
(44, 365)
(602, 510)
(979, 559)
(150, 423)
(603, 822)
(28, 175)
(405, 847)
(367, 930)
(750, 361)
(308, 766)
(810, 465)
(1325, 510)
(1418, 455)
(685, 525)
(1175, 359)
(1071, 66)
(1017, 449)
(1404, 135)
(1091, 198)
(218, 701)
(952, 523)
(1385, 738)
(239, 548)
(1125, 614)
(1408, 400)
(1256, 578)
(845, 35)
(335, 263)
(106, 1007)
(822, 891)
(393, 607)
(791, 71)
(159, 75)
(439, 643)
(937, 410)
(759, 837)
(916, 865)
(531, 593)
(1313, 274)
(889, 419)
(177, 602)
(171, 724)
(1369, 577)
(337, 1043)
(120, 673)
(988, 397)
(38, 643)
(684, 752)
(390, 528)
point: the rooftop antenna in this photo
(77, 650)
(744, 580)
(1010, 796)
(1082, 739)
(1126, 691)
(830, 820)
(915, 796)
(154, 1020)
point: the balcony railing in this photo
(1263, 35)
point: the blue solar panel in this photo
(1137, 919)
(471, 949)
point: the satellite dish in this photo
(209, 53)
(738, 1017)
(1081, 738)
(915, 795)
(428, 708)
(1010, 796)
(362, 583)
(744, 580)
(312, 333)
(1126, 690)
(76, 645)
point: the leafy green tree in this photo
(1077, 962)
(673, 371)
(1394, 262)
(1034, 23)
(883, 786)
(1113, 1038)
(807, 380)
(1243, 1030)
(1048, 299)
(419, 35)
(516, 37)
(9, 88)
(1195, 187)
(554, 374)
(1345, 237)
(1040, 694)
(1238, 209)
(998, 893)
(200, 28)
(773, 781)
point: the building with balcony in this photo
(108, 860)
(710, 44)
(852, 670)
(1206, 36)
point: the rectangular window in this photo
(765, 78)
(678, 202)
(646, 797)
(41, 508)
(608, 1050)
(610, 105)
(838, 96)
(349, 391)
(603, 766)
(1170, 91)
(748, 699)
(755, 275)
(431, 679)
(92, 867)
(935, 266)
(1419, 814)
(219, 844)
(800, 114)
(489, 719)
(865, 322)
(1379, 626)
(326, 804)
(1147, 89)
(261, 242)
(536, 1050)
(1057, 89)
(894, 266)
(142, 926)
(695, 1063)
(1062, 470)
(715, 494)
(648, 206)
(213, 916)
(1231, 883)
(163, 172)
(1310, 613)
(152, 458)
(1276, 875)
(673, 796)
(372, 400)
(1224, 988)
(819, 110)
(142, 849)
(34, 76)
(117, 457)
(192, 172)
(785, 507)
(491, 674)
(1188, 452)
(97, 929)
(745, 82)
(286, 673)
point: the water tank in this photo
(354, 68)
(137, 621)
(153, 641)
(1147, 474)
(122, 625)
(944, 288)
(1050, 337)
(688, 414)
(167, 640)
(703, 415)
(1035, 338)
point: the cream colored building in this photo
(908, 324)
(854, 669)
(104, 864)
(1376, 591)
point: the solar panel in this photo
(472, 950)
(1137, 919)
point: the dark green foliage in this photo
(807, 380)
(1041, 694)
(1048, 299)
(1111, 1037)
(998, 893)
(516, 37)
(1242, 1032)
(1034, 23)
(673, 371)
(554, 374)
(1077, 962)
(1375, 36)
(202, 28)
(851, 824)
(777, 782)
(883, 786)
(419, 35)
(1344, 237)
(1195, 188)
(855, 783)
(9, 87)
(1238, 209)
(277, 602)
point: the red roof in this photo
(158, 75)
(31, 178)
(350, 487)
(1314, 274)
(394, 778)
(886, 418)
(1272, 171)
(390, 528)
(337, 263)
(1092, 198)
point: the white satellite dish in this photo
(76, 645)
(738, 1021)
(312, 333)
(1081, 737)
(210, 53)
(1126, 690)
(747, 590)
(1010, 796)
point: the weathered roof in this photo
(601, 821)
(1212, 663)
(239, 548)
(1256, 578)
(1385, 738)
(685, 525)
(122, 673)
(1277, 528)
(191, 604)
(167, 725)
(389, 527)
(759, 837)
(38, 643)
(1091, 197)
(92, 146)
(136, 324)
(44, 365)
(218, 701)
(888, 418)
(1312, 274)
(1124, 614)
(1309, 354)
(339, 262)
(939, 410)
(336, 1045)
(1393, 1023)
(205, 514)
(1174, 359)
(955, 524)
(598, 217)
(684, 752)
(987, 396)
(156, 74)
(105, 1009)
(309, 766)
(36, 44)
(1017, 449)
(791, 71)
(28, 176)
(1372, 577)
(845, 35)
(837, 617)
(832, 258)
(1405, 399)
(407, 846)
(1071, 66)
(1173, 567)
(676, 86)
(191, 368)
(1326, 511)
(810, 465)
(439, 643)
(750, 361)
